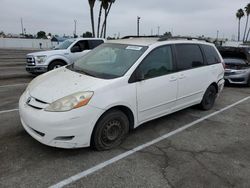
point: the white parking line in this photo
(13, 85)
(138, 148)
(6, 111)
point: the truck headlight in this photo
(40, 59)
(70, 102)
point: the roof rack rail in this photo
(136, 36)
(164, 38)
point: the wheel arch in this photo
(58, 59)
(215, 85)
(126, 110)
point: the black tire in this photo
(248, 82)
(110, 130)
(55, 64)
(209, 98)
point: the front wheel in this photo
(55, 65)
(209, 98)
(110, 130)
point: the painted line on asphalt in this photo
(6, 111)
(102, 165)
(13, 85)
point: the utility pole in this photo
(138, 25)
(217, 35)
(158, 30)
(75, 21)
(22, 26)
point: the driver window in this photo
(80, 46)
(76, 48)
(159, 62)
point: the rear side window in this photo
(211, 55)
(94, 43)
(188, 56)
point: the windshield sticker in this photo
(134, 48)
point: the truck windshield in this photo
(64, 45)
(109, 60)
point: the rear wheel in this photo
(209, 98)
(110, 130)
(55, 65)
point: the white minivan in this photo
(118, 86)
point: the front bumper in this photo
(36, 69)
(220, 85)
(237, 78)
(70, 129)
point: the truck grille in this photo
(30, 61)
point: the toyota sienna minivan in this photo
(118, 86)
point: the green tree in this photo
(167, 34)
(91, 6)
(247, 10)
(87, 34)
(239, 15)
(2, 34)
(41, 35)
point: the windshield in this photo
(64, 45)
(109, 60)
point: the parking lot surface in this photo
(213, 152)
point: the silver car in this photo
(237, 71)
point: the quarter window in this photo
(159, 62)
(211, 54)
(188, 56)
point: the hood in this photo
(48, 53)
(61, 82)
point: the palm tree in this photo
(239, 15)
(99, 18)
(106, 6)
(247, 10)
(91, 6)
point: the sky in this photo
(181, 17)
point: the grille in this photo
(229, 73)
(30, 61)
(36, 103)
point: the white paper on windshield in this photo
(134, 48)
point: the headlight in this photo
(40, 59)
(70, 102)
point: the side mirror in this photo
(137, 76)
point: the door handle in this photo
(182, 76)
(173, 78)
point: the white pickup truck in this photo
(65, 53)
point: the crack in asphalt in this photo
(201, 152)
